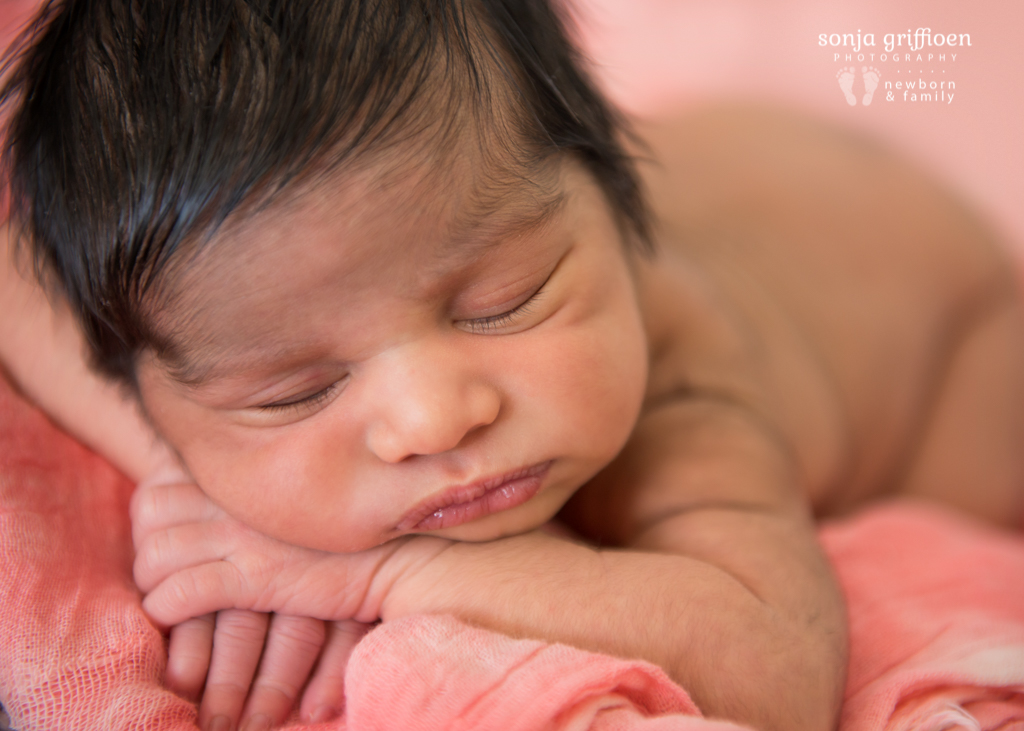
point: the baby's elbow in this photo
(791, 678)
(805, 684)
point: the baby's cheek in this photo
(614, 382)
(595, 400)
(259, 479)
(606, 360)
(316, 485)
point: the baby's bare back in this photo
(866, 313)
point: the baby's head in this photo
(365, 264)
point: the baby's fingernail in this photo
(322, 714)
(219, 723)
(259, 722)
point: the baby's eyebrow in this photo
(197, 359)
(481, 230)
(190, 367)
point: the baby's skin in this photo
(384, 399)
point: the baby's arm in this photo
(43, 352)
(721, 583)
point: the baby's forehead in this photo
(468, 200)
(486, 183)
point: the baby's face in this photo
(403, 353)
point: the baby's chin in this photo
(500, 526)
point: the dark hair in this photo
(141, 125)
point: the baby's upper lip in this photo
(457, 494)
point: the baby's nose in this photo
(429, 403)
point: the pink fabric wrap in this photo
(936, 609)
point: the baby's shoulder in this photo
(822, 273)
(788, 191)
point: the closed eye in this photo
(505, 319)
(304, 403)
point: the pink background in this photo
(655, 56)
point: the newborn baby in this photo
(384, 299)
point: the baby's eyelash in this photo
(306, 402)
(495, 322)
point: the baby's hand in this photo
(195, 559)
(192, 558)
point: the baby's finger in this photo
(293, 644)
(324, 698)
(237, 644)
(180, 547)
(189, 656)
(195, 592)
(154, 507)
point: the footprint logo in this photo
(846, 76)
(870, 83)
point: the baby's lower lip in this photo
(513, 491)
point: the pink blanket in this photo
(936, 608)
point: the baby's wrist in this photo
(463, 578)
(397, 587)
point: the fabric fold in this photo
(453, 676)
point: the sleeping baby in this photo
(369, 298)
